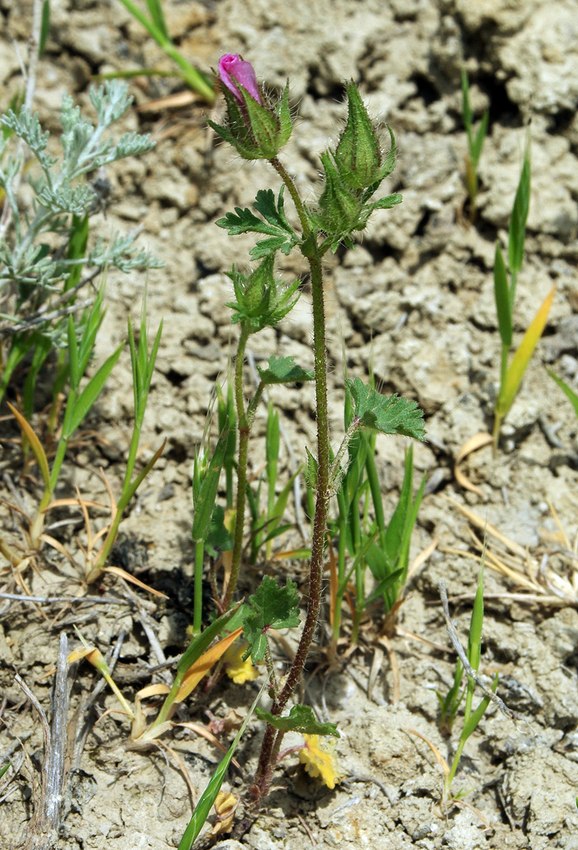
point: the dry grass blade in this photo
(438, 756)
(532, 571)
(474, 444)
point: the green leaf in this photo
(203, 508)
(386, 414)
(283, 370)
(219, 539)
(566, 389)
(270, 607)
(386, 203)
(273, 224)
(300, 719)
(502, 298)
(517, 232)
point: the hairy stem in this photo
(310, 249)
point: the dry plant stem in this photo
(43, 829)
(243, 428)
(310, 249)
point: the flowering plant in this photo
(258, 128)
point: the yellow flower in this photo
(238, 670)
(319, 763)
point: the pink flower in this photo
(235, 72)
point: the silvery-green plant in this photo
(52, 189)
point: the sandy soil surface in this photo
(414, 303)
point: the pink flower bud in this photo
(235, 72)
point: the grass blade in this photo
(203, 511)
(149, 25)
(44, 27)
(479, 139)
(90, 393)
(35, 445)
(522, 357)
(156, 12)
(518, 219)
(466, 108)
(502, 298)
(209, 795)
(569, 392)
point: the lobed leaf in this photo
(386, 414)
(273, 224)
(283, 370)
(270, 607)
(301, 719)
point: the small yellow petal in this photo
(238, 670)
(319, 762)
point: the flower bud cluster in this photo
(353, 173)
(262, 300)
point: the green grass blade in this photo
(374, 488)
(44, 27)
(517, 232)
(19, 348)
(471, 724)
(209, 795)
(90, 324)
(157, 15)
(149, 25)
(41, 348)
(77, 248)
(393, 538)
(479, 139)
(476, 624)
(502, 298)
(90, 393)
(203, 510)
(73, 354)
(466, 108)
(566, 389)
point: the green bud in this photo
(339, 206)
(262, 300)
(256, 131)
(357, 155)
